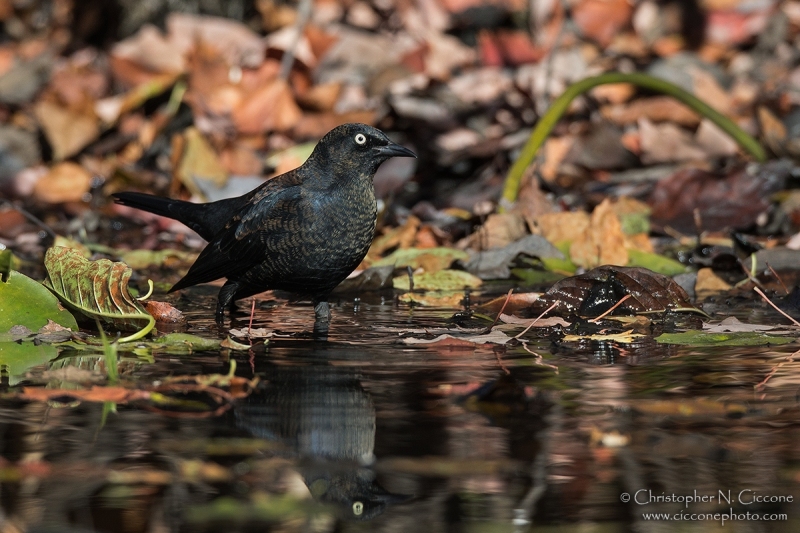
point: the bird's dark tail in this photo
(188, 213)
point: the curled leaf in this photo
(96, 289)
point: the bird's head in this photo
(357, 146)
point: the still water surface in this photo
(363, 433)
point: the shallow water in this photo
(362, 433)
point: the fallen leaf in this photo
(65, 182)
(499, 230)
(664, 143)
(495, 263)
(493, 337)
(732, 324)
(199, 160)
(443, 280)
(67, 131)
(601, 20)
(271, 108)
(709, 284)
(596, 291)
(563, 226)
(602, 243)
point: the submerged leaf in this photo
(702, 338)
(96, 289)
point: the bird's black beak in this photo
(395, 150)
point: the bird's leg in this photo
(322, 312)
(322, 319)
(225, 299)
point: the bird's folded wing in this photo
(247, 240)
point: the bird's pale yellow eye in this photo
(358, 507)
(361, 138)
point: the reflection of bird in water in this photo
(328, 418)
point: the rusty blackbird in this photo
(302, 232)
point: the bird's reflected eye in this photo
(361, 138)
(358, 507)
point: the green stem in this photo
(561, 104)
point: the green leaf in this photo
(96, 289)
(701, 338)
(416, 257)
(140, 259)
(25, 302)
(8, 262)
(17, 357)
(655, 262)
(186, 343)
(443, 280)
(564, 266)
(532, 276)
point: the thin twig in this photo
(778, 278)
(759, 291)
(535, 320)
(497, 318)
(611, 310)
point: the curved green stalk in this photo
(560, 105)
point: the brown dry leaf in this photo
(65, 182)
(237, 43)
(639, 241)
(773, 130)
(532, 202)
(94, 394)
(656, 109)
(714, 141)
(665, 143)
(321, 97)
(427, 237)
(601, 20)
(517, 48)
(286, 39)
(545, 322)
(399, 237)
(614, 93)
(565, 226)
(516, 302)
(603, 242)
(706, 88)
(67, 131)
(271, 108)
(164, 313)
(499, 230)
(555, 150)
(152, 51)
(199, 160)
(243, 161)
(709, 284)
(445, 54)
